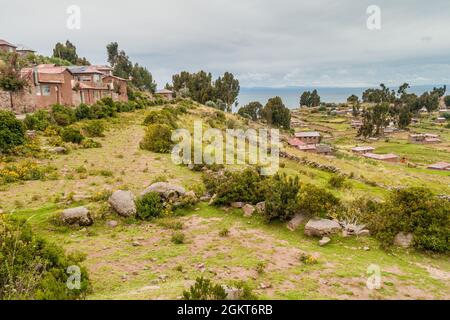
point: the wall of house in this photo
(23, 101)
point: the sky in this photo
(264, 43)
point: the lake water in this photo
(291, 95)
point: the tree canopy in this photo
(68, 52)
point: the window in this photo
(96, 78)
(45, 90)
(38, 90)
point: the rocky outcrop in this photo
(403, 239)
(295, 222)
(167, 190)
(321, 227)
(123, 203)
(77, 216)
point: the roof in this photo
(164, 91)
(114, 77)
(380, 156)
(432, 140)
(6, 43)
(295, 142)
(84, 70)
(102, 67)
(363, 148)
(307, 147)
(21, 47)
(307, 134)
(440, 166)
(323, 148)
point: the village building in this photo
(424, 138)
(295, 142)
(441, 120)
(362, 149)
(324, 149)
(166, 93)
(23, 50)
(5, 46)
(390, 157)
(307, 148)
(440, 166)
(311, 137)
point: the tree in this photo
(113, 53)
(142, 79)
(374, 120)
(430, 101)
(10, 79)
(276, 113)
(353, 99)
(227, 89)
(310, 99)
(12, 131)
(68, 52)
(404, 118)
(252, 110)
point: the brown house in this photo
(426, 138)
(117, 86)
(24, 50)
(312, 137)
(390, 157)
(440, 166)
(362, 149)
(168, 94)
(5, 46)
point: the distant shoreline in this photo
(291, 95)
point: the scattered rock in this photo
(264, 285)
(31, 134)
(163, 277)
(324, 241)
(403, 239)
(363, 233)
(57, 150)
(78, 216)
(205, 198)
(260, 207)
(366, 248)
(166, 190)
(296, 221)
(248, 210)
(211, 201)
(123, 203)
(136, 244)
(321, 227)
(191, 194)
(237, 205)
(112, 223)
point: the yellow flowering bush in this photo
(24, 171)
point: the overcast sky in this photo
(263, 42)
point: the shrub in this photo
(315, 201)
(83, 112)
(224, 232)
(63, 115)
(337, 181)
(40, 120)
(204, 289)
(34, 269)
(94, 128)
(12, 131)
(72, 135)
(414, 210)
(149, 206)
(232, 186)
(282, 200)
(90, 144)
(161, 117)
(178, 237)
(157, 138)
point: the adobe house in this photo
(5, 46)
(390, 157)
(324, 149)
(24, 50)
(294, 142)
(362, 149)
(307, 148)
(48, 85)
(167, 94)
(440, 166)
(312, 137)
(88, 85)
(441, 120)
(426, 138)
(118, 87)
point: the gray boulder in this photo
(123, 203)
(79, 216)
(166, 190)
(403, 239)
(260, 207)
(237, 204)
(324, 241)
(321, 227)
(296, 221)
(248, 210)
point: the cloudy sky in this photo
(263, 42)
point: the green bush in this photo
(33, 269)
(12, 131)
(63, 115)
(316, 201)
(72, 135)
(83, 111)
(40, 120)
(178, 237)
(163, 116)
(90, 144)
(158, 138)
(282, 200)
(414, 210)
(336, 181)
(245, 186)
(94, 128)
(204, 289)
(149, 206)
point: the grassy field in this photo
(138, 260)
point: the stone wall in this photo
(23, 101)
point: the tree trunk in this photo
(11, 99)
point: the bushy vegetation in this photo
(165, 116)
(205, 289)
(158, 138)
(282, 200)
(12, 131)
(276, 113)
(72, 135)
(149, 206)
(232, 186)
(32, 268)
(414, 210)
(24, 171)
(94, 128)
